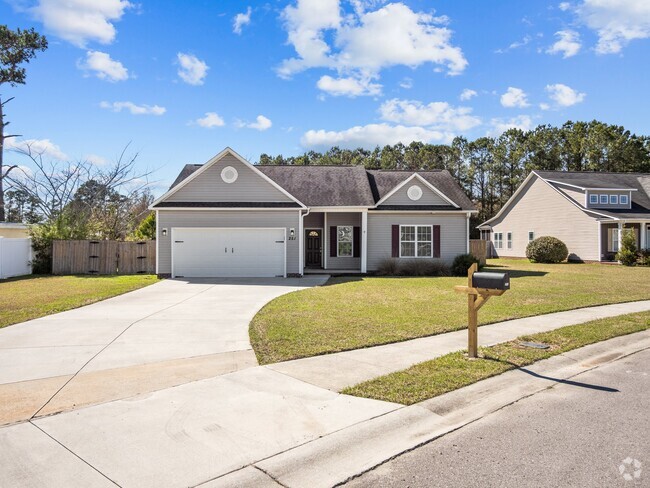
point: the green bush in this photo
(412, 267)
(627, 254)
(547, 249)
(462, 263)
(644, 257)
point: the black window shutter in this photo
(356, 242)
(436, 241)
(395, 243)
(333, 241)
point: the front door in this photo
(313, 248)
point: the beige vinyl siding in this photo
(336, 219)
(541, 209)
(14, 233)
(429, 197)
(209, 187)
(168, 219)
(453, 234)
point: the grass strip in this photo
(453, 371)
(33, 296)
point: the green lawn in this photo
(455, 370)
(34, 296)
(351, 313)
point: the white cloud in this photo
(435, 115)
(372, 135)
(406, 83)
(564, 6)
(43, 147)
(564, 96)
(95, 159)
(514, 98)
(191, 69)
(81, 21)
(515, 45)
(365, 42)
(261, 123)
(468, 94)
(617, 22)
(544, 106)
(210, 120)
(499, 125)
(568, 44)
(241, 20)
(350, 86)
(133, 108)
(104, 67)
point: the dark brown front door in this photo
(313, 248)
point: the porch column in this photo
(600, 241)
(301, 243)
(620, 234)
(364, 241)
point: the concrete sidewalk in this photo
(339, 370)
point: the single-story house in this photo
(230, 218)
(13, 230)
(586, 210)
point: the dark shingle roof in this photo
(587, 179)
(323, 186)
(331, 186)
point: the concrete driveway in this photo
(163, 335)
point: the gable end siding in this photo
(429, 197)
(539, 208)
(209, 187)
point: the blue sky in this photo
(182, 80)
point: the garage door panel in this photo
(218, 252)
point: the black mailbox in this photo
(494, 281)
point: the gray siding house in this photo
(586, 210)
(230, 218)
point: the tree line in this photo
(489, 169)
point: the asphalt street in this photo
(591, 432)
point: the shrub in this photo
(462, 263)
(627, 254)
(412, 267)
(388, 267)
(644, 257)
(546, 249)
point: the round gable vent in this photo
(414, 192)
(229, 174)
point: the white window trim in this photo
(498, 243)
(612, 239)
(603, 197)
(613, 199)
(593, 199)
(626, 202)
(509, 240)
(338, 255)
(416, 241)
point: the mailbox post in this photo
(480, 287)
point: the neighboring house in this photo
(9, 229)
(229, 217)
(586, 210)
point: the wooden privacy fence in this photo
(478, 248)
(103, 257)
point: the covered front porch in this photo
(611, 234)
(334, 241)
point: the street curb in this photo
(336, 458)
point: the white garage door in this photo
(218, 252)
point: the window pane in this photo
(424, 249)
(345, 233)
(424, 233)
(408, 233)
(345, 249)
(408, 249)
